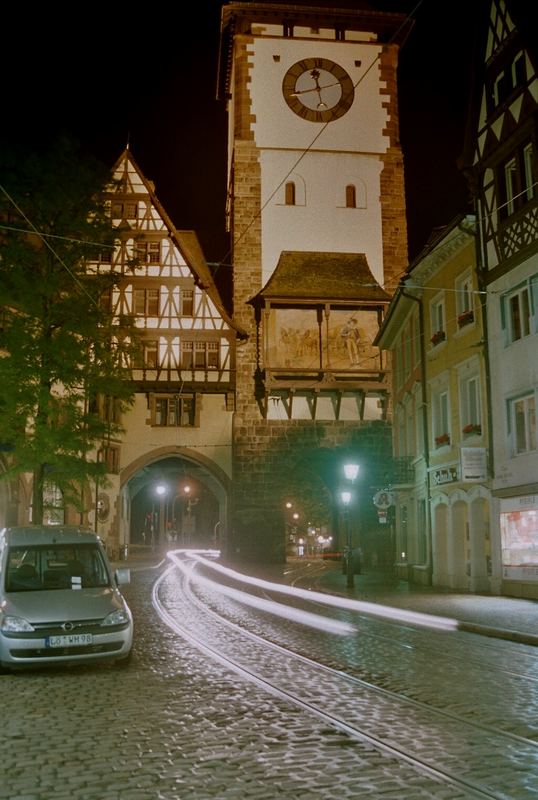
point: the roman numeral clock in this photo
(318, 90)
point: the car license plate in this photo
(69, 640)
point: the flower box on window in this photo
(442, 439)
(472, 427)
(438, 336)
(465, 318)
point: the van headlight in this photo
(10, 624)
(119, 617)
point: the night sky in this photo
(110, 75)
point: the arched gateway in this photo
(173, 496)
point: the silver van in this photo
(60, 601)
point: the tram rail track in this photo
(275, 675)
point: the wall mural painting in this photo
(346, 341)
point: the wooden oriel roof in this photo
(314, 277)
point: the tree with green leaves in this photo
(60, 345)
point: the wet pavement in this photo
(175, 725)
(510, 618)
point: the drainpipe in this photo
(482, 290)
(426, 437)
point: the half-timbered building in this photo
(501, 162)
(170, 471)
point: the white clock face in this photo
(318, 90)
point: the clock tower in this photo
(316, 213)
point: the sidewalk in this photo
(488, 615)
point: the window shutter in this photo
(533, 299)
(503, 301)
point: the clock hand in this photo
(314, 89)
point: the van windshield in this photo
(58, 566)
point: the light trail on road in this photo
(365, 717)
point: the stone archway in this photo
(192, 510)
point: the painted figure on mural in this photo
(351, 336)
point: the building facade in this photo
(501, 164)
(169, 471)
(435, 333)
(317, 219)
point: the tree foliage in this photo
(60, 346)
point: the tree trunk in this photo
(37, 495)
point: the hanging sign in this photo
(383, 499)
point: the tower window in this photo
(290, 194)
(351, 196)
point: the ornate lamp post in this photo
(346, 497)
(350, 471)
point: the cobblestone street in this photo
(176, 726)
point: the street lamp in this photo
(351, 471)
(346, 497)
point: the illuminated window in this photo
(522, 421)
(146, 302)
(108, 408)
(519, 314)
(200, 355)
(124, 210)
(440, 417)
(173, 411)
(148, 252)
(147, 356)
(470, 404)
(437, 321)
(187, 303)
(517, 181)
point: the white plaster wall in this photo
(360, 130)
(514, 370)
(326, 156)
(323, 223)
(212, 439)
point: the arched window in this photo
(351, 196)
(290, 194)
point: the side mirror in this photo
(122, 576)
